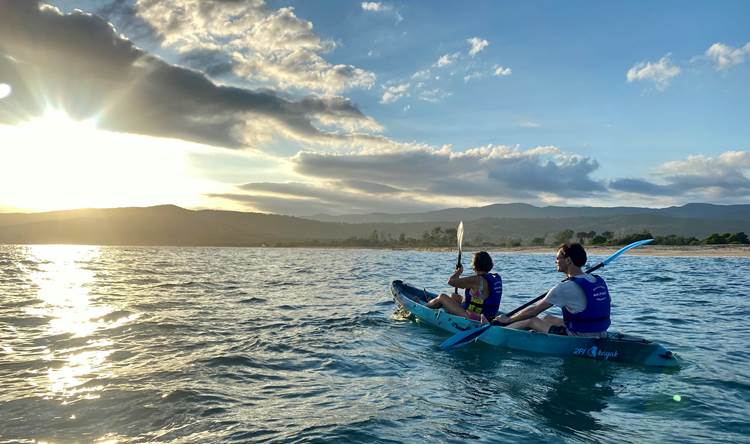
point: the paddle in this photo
(460, 238)
(466, 336)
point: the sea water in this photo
(162, 344)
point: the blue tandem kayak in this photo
(616, 347)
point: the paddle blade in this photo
(460, 234)
(624, 249)
(464, 337)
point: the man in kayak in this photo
(584, 299)
(482, 295)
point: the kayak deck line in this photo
(616, 347)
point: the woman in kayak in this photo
(583, 298)
(483, 291)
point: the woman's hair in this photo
(482, 261)
(575, 252)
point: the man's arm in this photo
(526, 313)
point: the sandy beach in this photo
(688, 250)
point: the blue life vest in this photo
(491, 305)
(595, 317)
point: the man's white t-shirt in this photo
(570, 295)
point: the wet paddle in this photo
(466, 336)
(460, 238)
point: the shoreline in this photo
(722, 250)
(646, 250)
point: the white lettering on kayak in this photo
(596, 353)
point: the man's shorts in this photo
(558, 330)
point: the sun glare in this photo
(5, 90)
(55, 162)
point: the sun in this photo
(5, 90)
(56, 162)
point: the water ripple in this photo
(144, 344)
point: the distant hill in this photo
(161, 225)
(172, 225)
(526, 211)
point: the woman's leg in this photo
(437, 302)
(447, 303)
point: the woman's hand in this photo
(455, 276)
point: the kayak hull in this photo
(616, 347)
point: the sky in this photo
(308, 107)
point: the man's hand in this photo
(501, 320)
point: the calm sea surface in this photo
(126, 344)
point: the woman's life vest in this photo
(491, 304)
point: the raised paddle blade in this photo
(465, 336)
(624, 249)
(460, 235)
(460, 238)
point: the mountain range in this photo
(172, 225)
(526, 211)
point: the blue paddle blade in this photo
(464, 337)
(624, 249)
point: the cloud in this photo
(473, 75)
(697, 177)
(424, 81)
(434, 95)
(408, 178)
(477, 45)
(382, 8)
(661, 72)
(372, 6)
(263, 46)
(641, 186)
(529, 124)
(724, 56)
(333, 197)
(370, 187)
(502, 71)
(446, 60)
(497, 71)
(492, 171)
(83, 66)
(394, 92)
(423, 74)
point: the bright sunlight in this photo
(55, 162)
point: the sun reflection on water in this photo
(79, 368)
(63, 285)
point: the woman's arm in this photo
(464, 282)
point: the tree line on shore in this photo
(439, 237)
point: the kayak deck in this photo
(616, 347)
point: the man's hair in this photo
(482, 261)
(575, 252)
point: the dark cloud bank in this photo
(78, 62)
